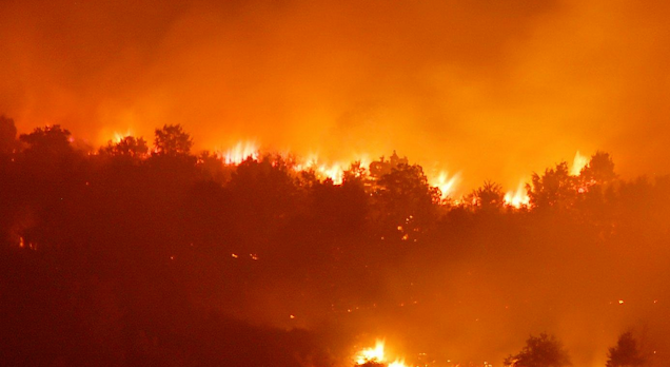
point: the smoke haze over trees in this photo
(144, 254)
(495, 89)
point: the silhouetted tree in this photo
(47, 141)
(382, 167)
(355, 174)
(212, 167)
(541, 351)
(599, 170)
(556, 188)
(406, 203)
(172, 140)
(48, 156)
(625, 353)
(129, 146)
(8, 140)
(487, 198)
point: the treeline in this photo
(135, 256)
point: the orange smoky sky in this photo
(489, 88)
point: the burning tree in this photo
(376, 357)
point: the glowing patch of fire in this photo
(445, 183)
(376, 355)
(578, 164)
(118, 137)
(240, 152)
(517, 198)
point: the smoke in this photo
(492, 89)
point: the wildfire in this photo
(518, 198)
(240, 152)
(377, 355)
(578, 163)
(118, 137)
(445, 183)
(333, 171)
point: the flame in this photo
(118, 136)
(518, 198)
(335, 172)
(330, 170)
(445, 183)
(578, 163)
(377, 355)
(240, 152)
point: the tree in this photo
(356, 174)
(600, 169)
(406, 203)
(542, 351)
(625, 353)
(48, 153)
(488, 198)
(7, 135)
(556, 188)
(383, 167)
(127, 147)
(172, 140)
(48, 141)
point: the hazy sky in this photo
(493, 89)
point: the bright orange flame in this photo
(240, 152)
(334, 171)
(397, 363)
(117, 136)
(377, 355)
(445, 183)
(518, 198)
(578, 163)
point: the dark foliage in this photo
(540, 351)
(156, 257)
